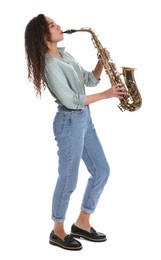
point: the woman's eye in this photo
(51, 25)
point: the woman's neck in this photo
(55, 52)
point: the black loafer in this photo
(93, 235)
(68, 243)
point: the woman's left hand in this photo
(106, 52)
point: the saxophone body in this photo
(132, 100)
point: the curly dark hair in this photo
(35, 47)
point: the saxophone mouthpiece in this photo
(69, 31)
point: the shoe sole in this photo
(53, 243)
(88, 238)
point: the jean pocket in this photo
(61, 123)
(58, 124)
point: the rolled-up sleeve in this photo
(89, 79)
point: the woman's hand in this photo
(115, 91)
(107, 53)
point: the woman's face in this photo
(55, 31)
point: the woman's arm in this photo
(98, 70)
(99, 67)
(115, 91)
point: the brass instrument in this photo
(132, 100)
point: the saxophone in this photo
(131, 100)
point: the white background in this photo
(129, 209)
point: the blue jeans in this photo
(77, 139)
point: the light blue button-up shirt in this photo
(66, 80)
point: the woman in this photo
(54, 68)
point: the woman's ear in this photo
(46, 40)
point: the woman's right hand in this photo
(115, 91)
